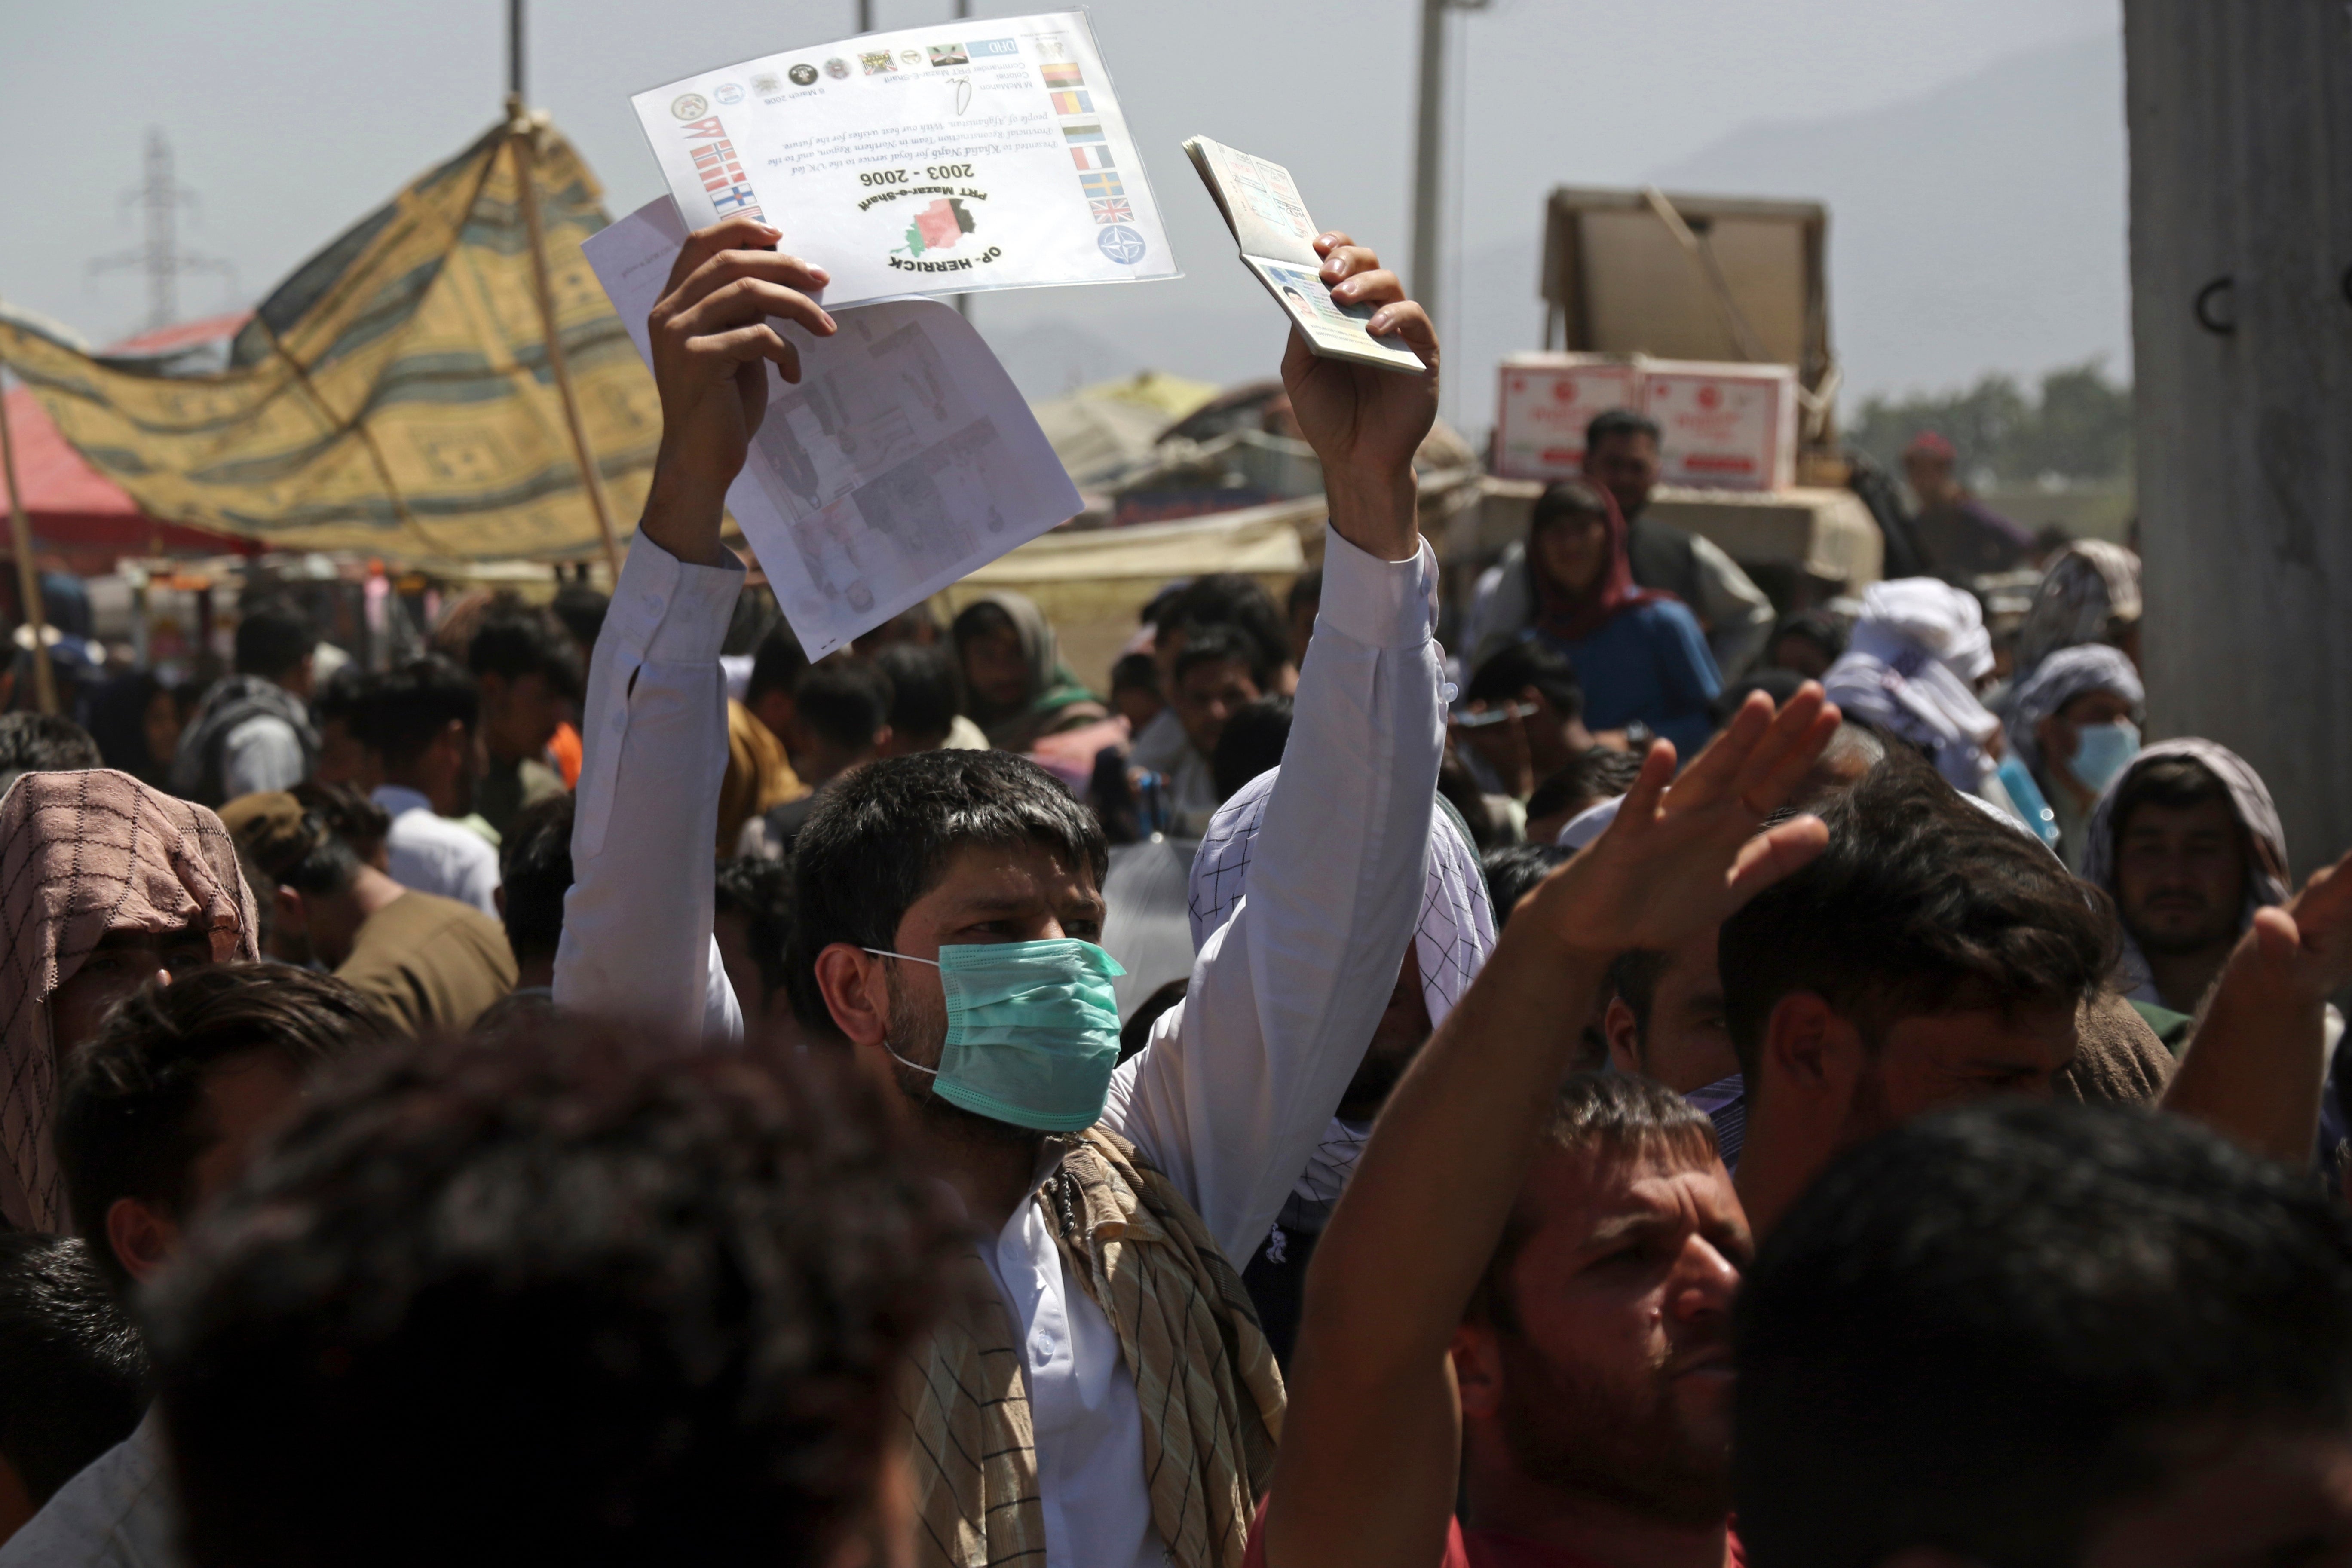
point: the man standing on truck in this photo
(1963, 538)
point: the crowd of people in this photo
(1650, 1082)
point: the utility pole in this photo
(962, 14)
(1429, 148)
(160, 195)
(865, 16)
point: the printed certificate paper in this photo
(976, 154)
(903, 460)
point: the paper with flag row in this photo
(903, 460)
(966, 156)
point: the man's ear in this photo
(143, 1238)
(1477, 1371)
(850, 980)
(882, 741)
(1809, 1051)
(1624, 1032)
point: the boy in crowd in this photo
(1514, 755)
(975, 876)
(841, 721)
(423, 961)
(528, 671)
(925, 699)
(253, 731)
(422, 725)
(158, 1115)
(1220, 672)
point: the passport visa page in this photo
(969, 156)
(1261, 205)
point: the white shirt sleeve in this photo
(1241, 1078)
(1739, 616)
(637, 941)
(262, 754)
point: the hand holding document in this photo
(902, 460)
(976, 154)
(1261, 204)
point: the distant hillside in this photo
(1978, 227)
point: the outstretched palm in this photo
(1684, 854)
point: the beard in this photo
(918, 1034)
(1632, 1448)
(2158, 936)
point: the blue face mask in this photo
(2103, 750)
(1032, 1031)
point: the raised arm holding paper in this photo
(1125, 1402)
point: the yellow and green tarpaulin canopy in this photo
(396, 394)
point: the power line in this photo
(161, 195)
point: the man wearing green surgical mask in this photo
(1098, 1394)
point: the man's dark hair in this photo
(1233, 599)
(410, 707)
(274, 637)
(131, 1117)
(1921, 904)
(1252, 743)
(1135, 672)
(1566, 498)
(71, 1365)
(559, 1296)
(1513, 871)
(881, 837)
(1207, 644)
(1599, 774)
(345, 695)
(581, 610)
(926, 689)
(1634, 977)
(1525, 664)
(514, 641)
(776, 664)
(2177, 784)
(535, 863)
(44, 742)
(1611, 422)
(845, 701)
(1306, 589)
(761, 891)
(1980, 1333)
(1815, 627)
(1614, 1115)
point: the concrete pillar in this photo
(2241, 121)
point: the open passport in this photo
(1277, 243)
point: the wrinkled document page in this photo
(1261, 204)
(969, 156)
(903, 461)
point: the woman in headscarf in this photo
(103, 882)
(1639, 653)
(2088, 594)
(1911, 670)
(1012, 668)
(2073, 725)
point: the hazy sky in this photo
(291, 117)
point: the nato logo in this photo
(1121, 244)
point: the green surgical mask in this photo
(1032, 1031)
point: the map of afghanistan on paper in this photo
(903, 461)
(1262, 206)
(976, 154)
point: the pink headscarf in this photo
(83, 853)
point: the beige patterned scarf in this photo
(1205, 1377)
(82, 854)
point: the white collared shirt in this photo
(1239, 1081)
(433, 855)
(118, 1512)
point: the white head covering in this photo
(2266, 862)
(1457, 924)
(1911, 667)
(1588, 824)
(2058, 681)
(1453, 941)
(2086, 587)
